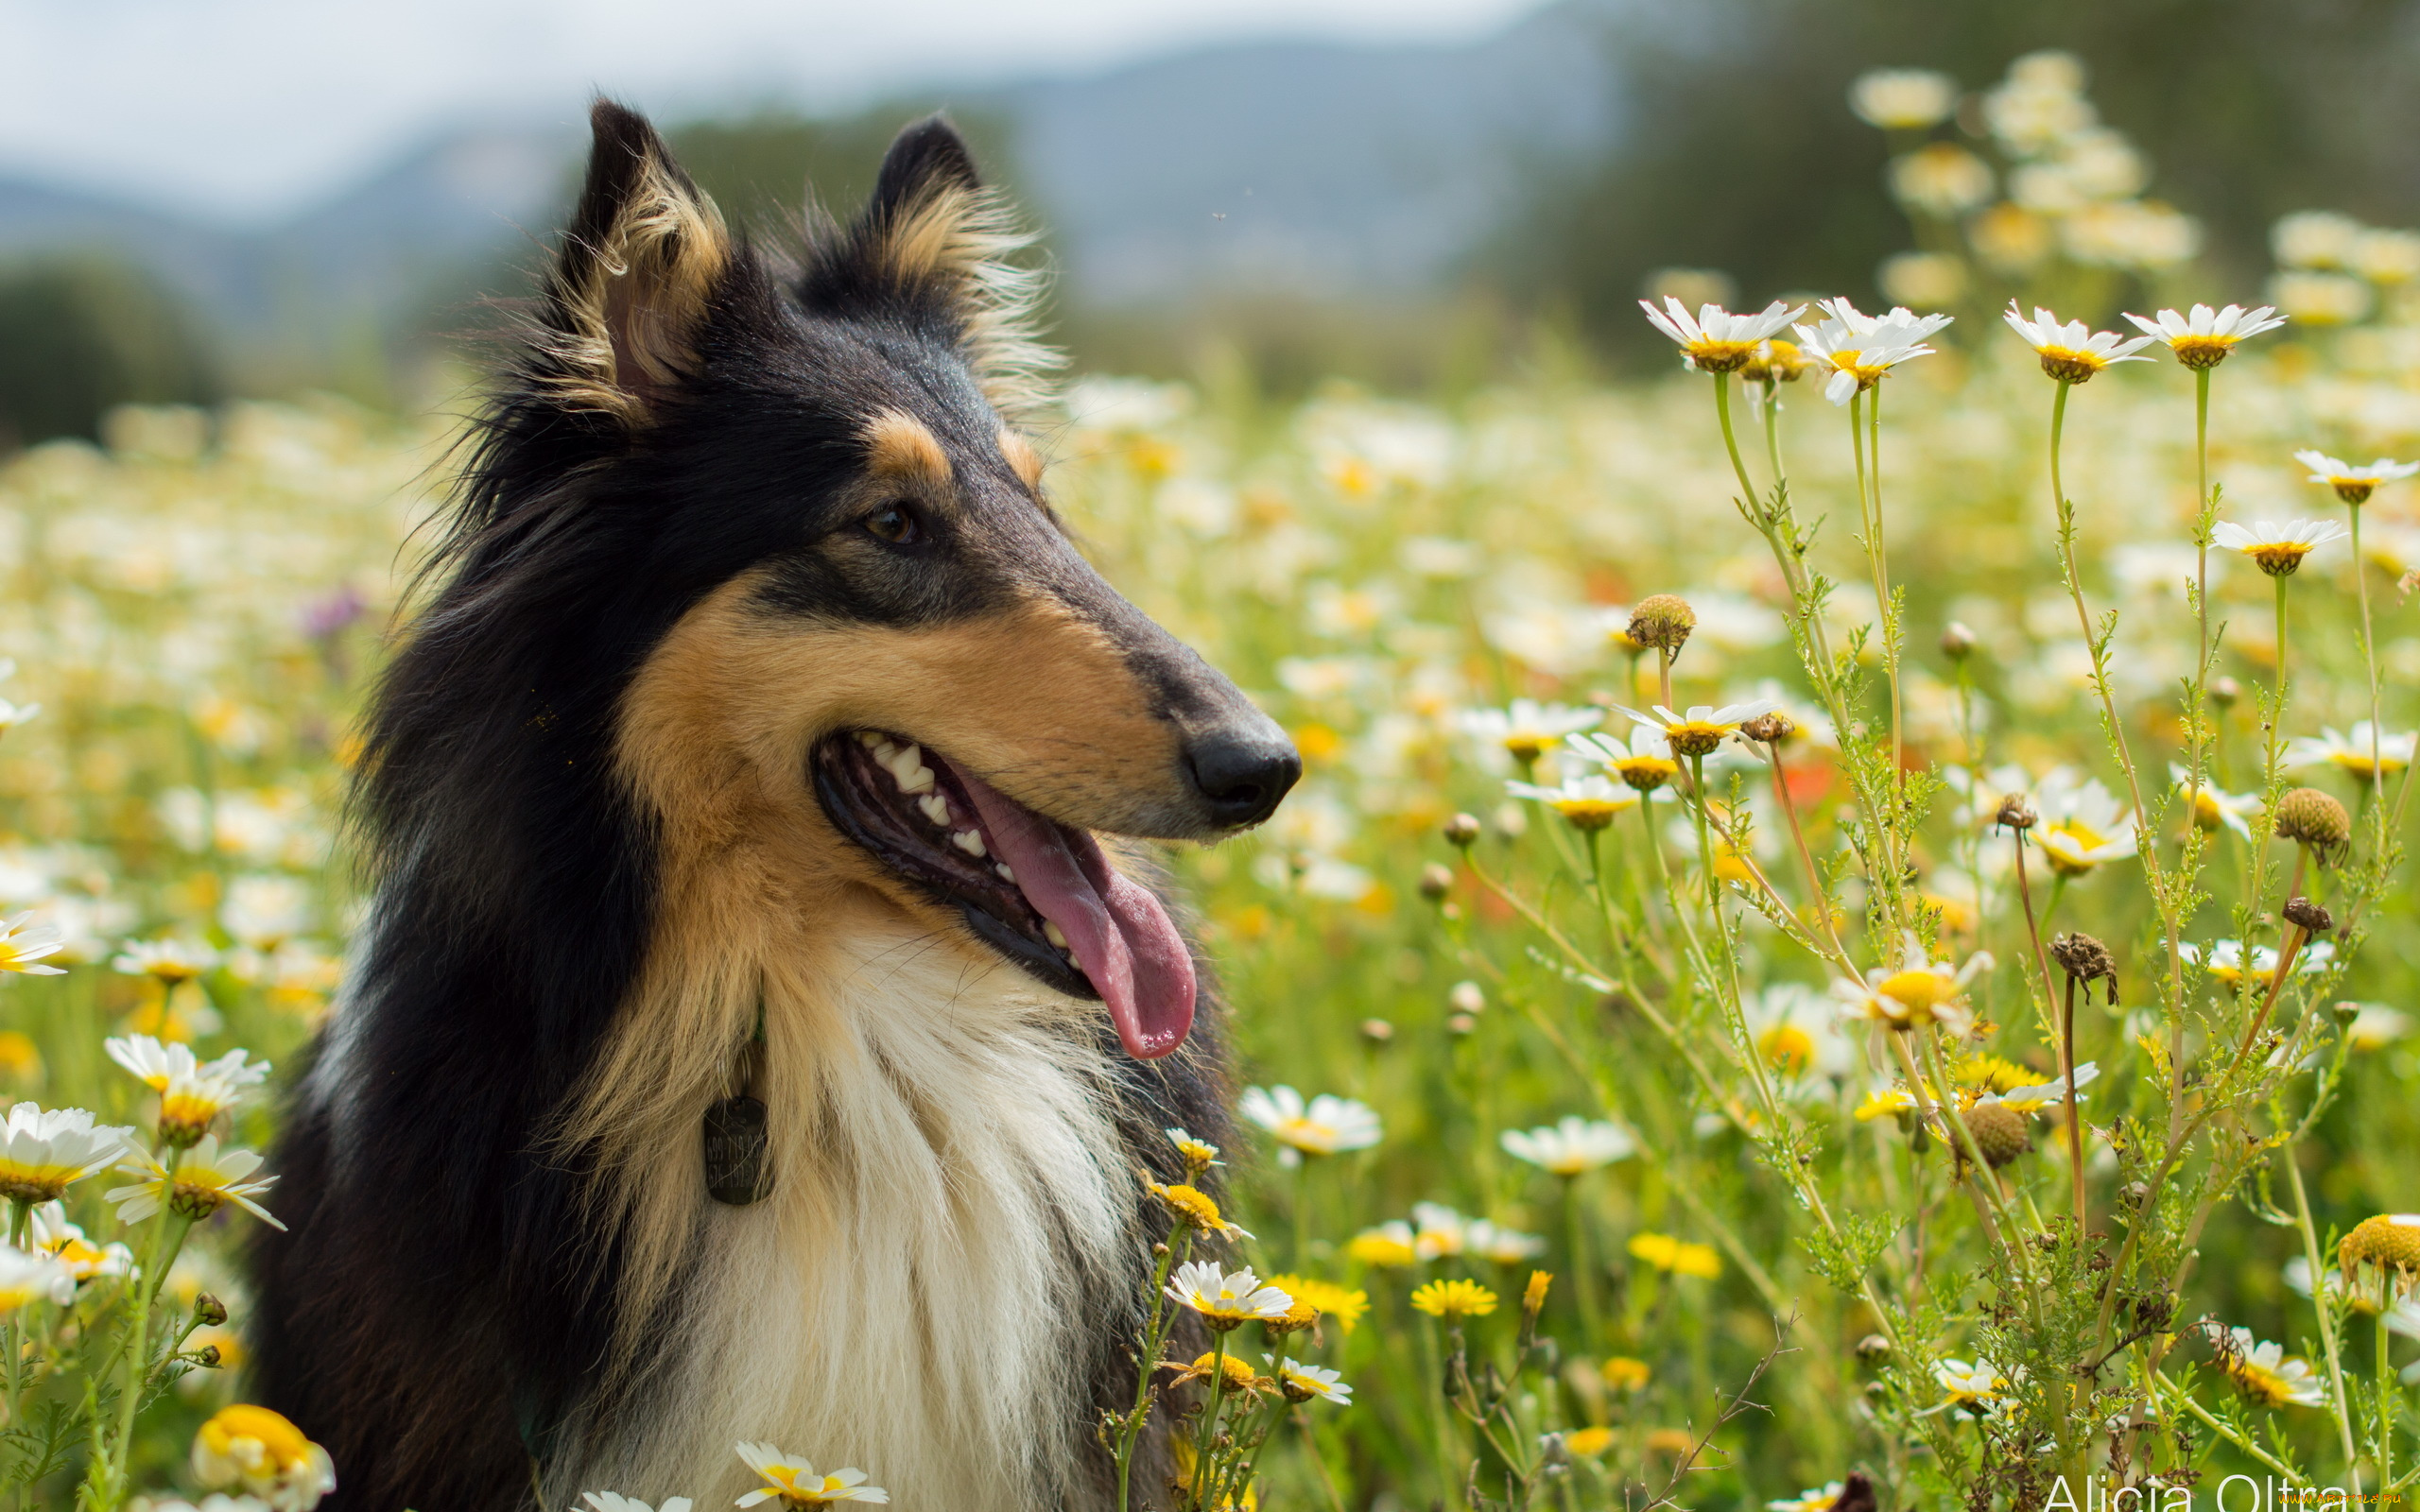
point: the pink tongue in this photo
(1120, 934)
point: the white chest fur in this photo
(918, 1297)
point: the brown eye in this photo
(895, 522)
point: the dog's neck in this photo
(918, 1296)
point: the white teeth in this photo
(1052, 932)
(918, 780)
(936, 809)
(870, 739)
(1006, 875)
(907, 769)
(970, 841)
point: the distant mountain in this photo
(1311, 169)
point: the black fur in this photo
(440, 1306)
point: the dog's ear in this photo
(634, 278)
(937, 243)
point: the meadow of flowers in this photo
(1844, 941)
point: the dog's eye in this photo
(895, 522)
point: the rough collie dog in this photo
(759, 1030)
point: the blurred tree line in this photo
(81, 335)
(1737, 150)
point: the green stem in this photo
(1882, 592)
(2388, 1397)
(1204, 1467)
(2370, 663)
(1155, 1335)
(167, 1238)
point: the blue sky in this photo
(247, 109)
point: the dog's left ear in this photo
(938, 243)
(634, 280)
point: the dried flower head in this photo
(2087, 960)
(2384, 1249)
(2001, 1133)
(1662, 622)
(2308, 816)
(2015, 813)
(2308, 916)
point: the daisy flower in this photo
(1438, 1231)
(1587, 802)
(2074, 351)
(1326, 1299)
(24, 943)
(1644, 762)
(1888, 1102)
(2261, 1369)
(1819, 1499)
(257, 1451)
(202, 1179)
(50, 1233)
(2036, 1096)
(1972, 1388)
(192, 1092)
(1797, 1032)
(1197, 1207)
(2277, 546)
(615, 1501)
(2350, 753)
(1903, 99)
(2082, 825)
(172, 961)
(1309, 1382)
(1454, 1299)
(2204, 338)
(1571, 1147)
(1717, 340)
(1678, 1257)
(1327, 1124)
(2214, 806)
(1919, 991)
(1492, 1242)
(1528, 729)
(1390, 1245)
(1860, 349)
(2354, 485)
(1200, 1155)
(1704, 727)
(47, 1152)
(2225, 959)
(25, 1278)
(1225, 1298)
(793, 1482)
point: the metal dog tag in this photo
(739, 1166)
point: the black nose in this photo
(1241, 773)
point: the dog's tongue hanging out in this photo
(1120, 934)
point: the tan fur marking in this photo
(968, 239)
(1022, 459)
(899, 447)
(934, 1120)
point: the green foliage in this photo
(79, 337)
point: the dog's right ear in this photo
(634, 278)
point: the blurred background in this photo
(257, 198)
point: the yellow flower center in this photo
(2071, 365)
(1527, 744)
(1587, 813)
(2201, 352)
(256, 1438)
(31, 1181)
(1195, 1207)
(1646, 773)
(1788, 1048)
(1720, 356)
(1920, 991)
(2068, 846)
(2278, 559)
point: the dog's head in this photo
(879, 636)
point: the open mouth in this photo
(1039, 892)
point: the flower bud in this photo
(208, 1311)
(1377, 1031)
(2308, 916)
(2224, 691)
(1874, 1348)
(1467, 997)
(1435, 881)
(1663, 621)
(2308, 816)
(207, 1357)
(1462, 831)
(1957, 640)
